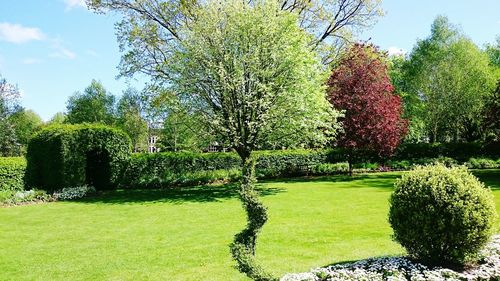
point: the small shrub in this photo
(24, 196)
(12, 173)
(72, 193)
(482, 163)
(441, 215)
(446, 161)
(399, 165)
(329, 169)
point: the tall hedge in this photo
(73, 155)
(12, 173)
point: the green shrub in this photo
(441, 215)
(399, 165)
(482, 163)
(12, 171)
(9, 197)
(330, 169)
(183, 168)
(75, 155)
(457, 151)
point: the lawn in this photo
(184, 234)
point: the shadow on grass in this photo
(381, 180)
(178, 195)
(490, 177)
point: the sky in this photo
(53, 48)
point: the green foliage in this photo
(330, 169)
(186, 168)
(12, 171)
(75, 155)
(447, 81)
(441, 215)
(457, 151)
(94, 105)
(129, 119)
(482, 163)
(25, 123)
(10, 197)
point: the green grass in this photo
(184, 234)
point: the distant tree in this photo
(25, 123)
(130, 120)
(57, 119)
(184, 130)
(492, 115)
(9, 104)
(449, 78)
(94, 105)
(361, 87)
(493, 51)
(412, 105)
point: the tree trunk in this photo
(243, 246)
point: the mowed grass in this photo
(184, 234)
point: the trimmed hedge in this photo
(457, 151)
(171, 168)
(12, 173)
(440, 215)
(75, 155)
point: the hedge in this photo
(75, 155)
(164, 169)
(12, 173)
(186, 168)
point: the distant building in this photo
(215, 147)
(152, 141)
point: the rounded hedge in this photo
(440, 215)
(75, 155)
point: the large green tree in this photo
(129, 119)
(447, 80)
(246, 67)
(93, 105)
(25, 123)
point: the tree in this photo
(451, 79)
(492, 115)
(130, 120)
(360, 86)
(412, 105)
(236, 63)
(151, 28)
(25, 123)
(9, 104)
(94, 105)
(240, 65)
(58, 119)
(184, 130)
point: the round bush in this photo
(440, 215)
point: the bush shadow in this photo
(177, 195)
(490, 177)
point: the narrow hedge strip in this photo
(12, 171)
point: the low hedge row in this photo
(186, 168)
(183, 168)
(12, 171)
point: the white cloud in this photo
(71, 4)
(31, 61)
(16, 33)
(60, 51)
(395, 51)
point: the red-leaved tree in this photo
(361, 87)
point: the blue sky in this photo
(52, 48)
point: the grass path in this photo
(184, 234)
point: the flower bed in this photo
(400, 268)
